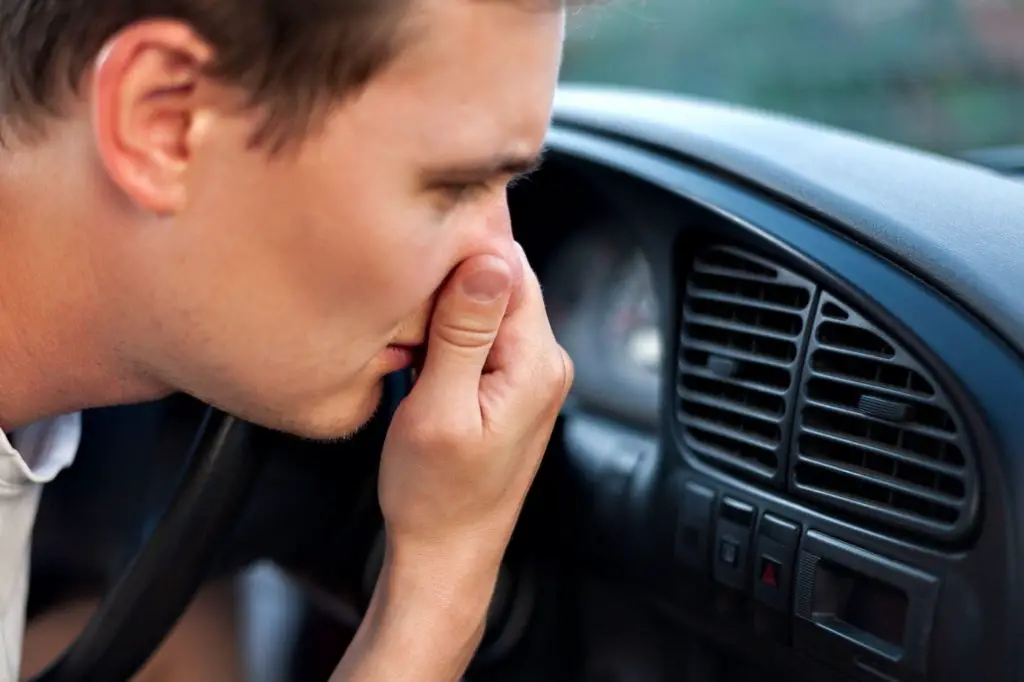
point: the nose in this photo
(498, 218)
(497, 233)
(490, 231)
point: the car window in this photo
(946, 75)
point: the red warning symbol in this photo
(769, 573)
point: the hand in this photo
(465, 444)
(462, 451)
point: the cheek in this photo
(377, 275)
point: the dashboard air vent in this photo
(875, 434)
(741, 347)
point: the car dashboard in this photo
(783, 440)
(794, 448)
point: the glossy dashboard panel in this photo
(949, 607)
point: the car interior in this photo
(794, 449)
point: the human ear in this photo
(144, 97)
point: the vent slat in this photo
(732, 299)
(869, 369)
(890, 483)
(871, 448)
(850, 338)
(725, 335)
(760, 376)
(854, 353)
(737, 260)
(924, 518)
(874, 433)
(731, 433)
(744, 322)
(870, 386)
(744, 384)
(742, 409)
(919, 428)
(790, 295)
(705, 268)
(735, 354)
(751, 462)
(752, 330)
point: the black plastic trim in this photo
(755, 223)
(789, 427)
(983, 375)
(708, 360)
(844, 645)
(883, 417)
(755, 241)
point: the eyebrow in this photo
(481, 171)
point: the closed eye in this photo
(482, 175)
(462, 191)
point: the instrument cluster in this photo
(600, 293)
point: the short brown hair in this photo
(291, 56)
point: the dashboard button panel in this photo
(865, 616)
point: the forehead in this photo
(473, 76)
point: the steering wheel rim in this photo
(138, 613)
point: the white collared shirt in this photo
(44, 448)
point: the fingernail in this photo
(487, 284)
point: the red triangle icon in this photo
(769, 574)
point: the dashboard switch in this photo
(728, 552)
(732, 540)
(770, 569)
(693, 536)
(777, 542)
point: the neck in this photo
(57, 351)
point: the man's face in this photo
(279, 287)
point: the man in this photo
(271, 206)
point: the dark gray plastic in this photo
(908, 464)
(956, 224)
(741, 349)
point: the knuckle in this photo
(449, 434)
(559, 374)
(569, 372)
(467, 334)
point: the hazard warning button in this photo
(770, 572)
(775, 554)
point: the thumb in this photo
(465, 323)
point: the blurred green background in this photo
(946, 75)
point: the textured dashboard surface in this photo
(957, 225)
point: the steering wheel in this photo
(144, 605)
(224, 467)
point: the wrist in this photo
(453, 584)
(426, 617)
(425, 620)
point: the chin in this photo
(339, 418)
